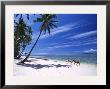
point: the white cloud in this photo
(66, 35)
(54, 44)
(61, 29)
(89, 43)
(42, 53)
(90, 50)
(69, 44)
(64, 45)
(55, 47)
(83, 35)
(55, 31)
(60, 46)
(58, 30)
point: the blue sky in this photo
(76, 33)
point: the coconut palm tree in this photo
(47, 23)
(22, 37)
(21, 16)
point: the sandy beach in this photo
(46, 67)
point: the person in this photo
(77, 62)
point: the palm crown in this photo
(48, 22)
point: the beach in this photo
(47, 67)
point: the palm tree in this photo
(48, 22)
(26, 39)
(21, 16)
(22, 36)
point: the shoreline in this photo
(47, 67)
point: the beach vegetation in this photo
(22, 37)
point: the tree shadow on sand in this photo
(39, 66)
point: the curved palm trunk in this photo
(32, 48)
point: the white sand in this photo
(40, 67)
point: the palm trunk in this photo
(21, 53)
(32, 48)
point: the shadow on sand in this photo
(39, 66)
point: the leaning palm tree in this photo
(48, 23)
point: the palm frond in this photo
(53, 16)
(53, 25)
(17, 15)
(38, 20)
(21, 16)
(54, 21)
(48, 28)
(28, 16)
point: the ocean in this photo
(84, 58)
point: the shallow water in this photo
(85, 58)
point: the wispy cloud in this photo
(55, 43)
(55, 47)
(83, 35)
(58, 30)
(75, 43)
(89, 43)
(64, 28)
(66, 35)
(67, 45)
(90, 50)
(42, 53)
(55, 31)
(59, 46)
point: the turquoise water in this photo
(85, 58)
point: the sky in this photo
(76, 33)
